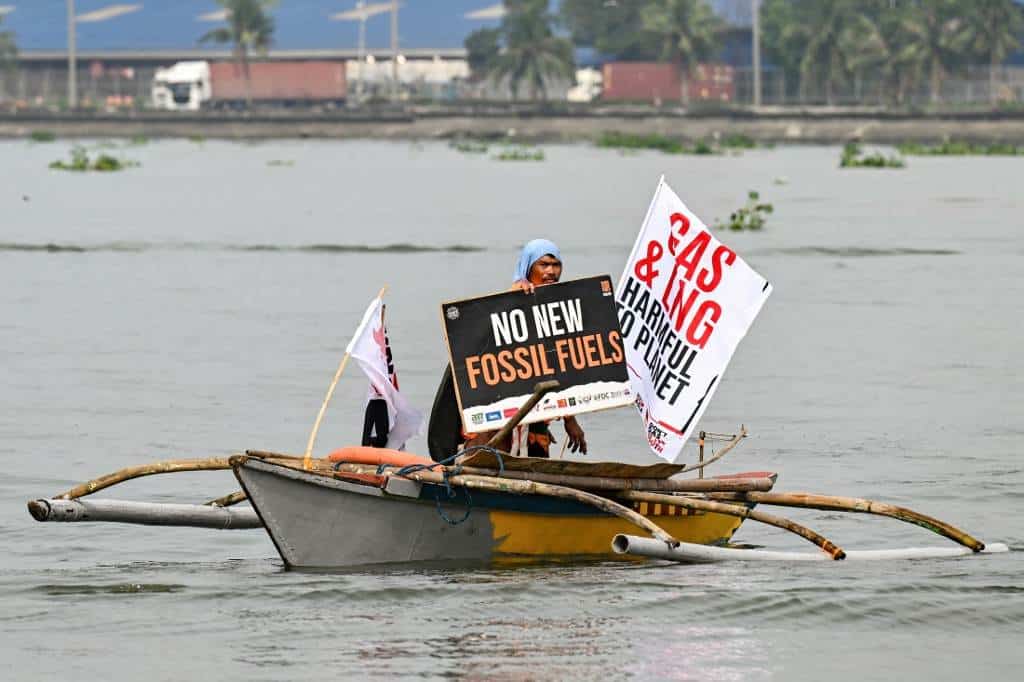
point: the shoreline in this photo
(525, 127)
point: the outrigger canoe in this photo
(365, 506)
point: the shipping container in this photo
(661, 82)
(279, 82)
(640, 81)
(712, 82)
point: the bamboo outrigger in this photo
(364, 506)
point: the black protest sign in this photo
(502, 345)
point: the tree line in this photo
(822, 46)
(898, 47)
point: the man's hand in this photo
(574, 432)
(525, 285)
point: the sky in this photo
(176, 24)
(301, 24)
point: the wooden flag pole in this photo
(307, 459)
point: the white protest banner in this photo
(371, 348)
(685, 300)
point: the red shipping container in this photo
(640, 81)
(652, 81)
(712, 82)
(279, 81)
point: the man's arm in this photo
(574, 432)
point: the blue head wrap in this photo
(532, 252)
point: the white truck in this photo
(190, 86)
(185, 86)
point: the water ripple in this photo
(143, 247)
(854, 251)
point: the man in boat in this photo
(540, 264)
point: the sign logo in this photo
(452, 313)
(606, 287)
(563, 403)
(510, 412)
(493, 416)
(478, 418)
(572, 402)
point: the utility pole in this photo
(394, 48)
(756, 48)
(72, 66)
(362, 52)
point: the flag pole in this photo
(307, 459)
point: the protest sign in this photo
(502, 345)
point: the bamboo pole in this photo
(227, 500)
(689, 485)
(166, 467)
(855, 504)
(539, 391)
(307, 458)
(740, 511)
(517, 487)
(718, 455)
(700, 454)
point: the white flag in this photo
(370, 348)
(685, 300)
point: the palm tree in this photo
(865, 50)
(531, 52)
(482, 48)
(933, 35)
(993, 31)
(686, 29)
(837, 40)
(612, 27)
(250, 27)
(8, 49)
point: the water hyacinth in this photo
(854, 157)
(663, 143)
(81, 162)
(752, 216)
(520, 154)
(960, 148)
(469, 147)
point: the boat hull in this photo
(317, 521)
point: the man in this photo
(540, 264)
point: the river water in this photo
(199, 304)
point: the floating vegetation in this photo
(279, 163)
(854, 157)
(198, 139)
(81, 162)
(737, 141)
(702, 148)
(470, 147)
(42, 136)
(669, 145)
(617, 140)
(960, 148)
(520, 154)
(138, 140)
(752, 216)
